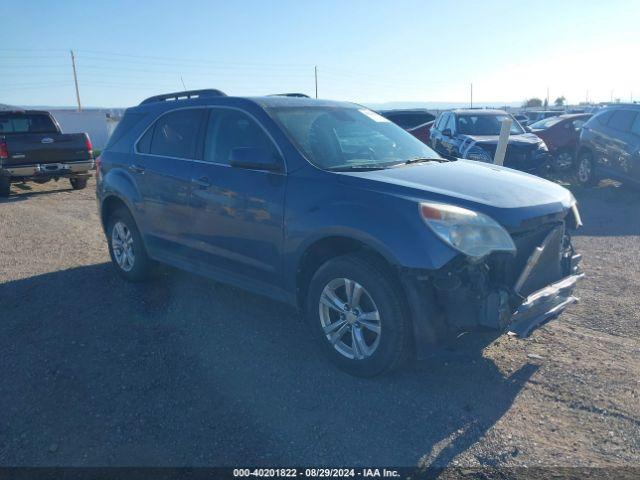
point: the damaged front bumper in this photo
(543, 305)
(501, 293)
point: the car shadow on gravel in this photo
(185, 371)
(20, 192)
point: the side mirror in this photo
(252, 158)
(527, 129)
(447, 132)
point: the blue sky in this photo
(366, 51)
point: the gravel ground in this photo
(184, 371)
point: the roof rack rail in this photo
(186, 95)
(297, 95)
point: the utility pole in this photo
(315, 70)
(471, 95)
(75, 79)
(547, 97)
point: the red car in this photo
(417, 122)
(561, 134)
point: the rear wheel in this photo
(585, 172)
(78, 183)
(355, 310)
(126, 248)
(5, 186)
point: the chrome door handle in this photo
(202, 182)
(136, 168)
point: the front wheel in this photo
(563, 161)
(78, 183)
(126, 248)
(355, 309)
(5, 186)
(585, 172)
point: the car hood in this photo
(509, 196)
(523, 139)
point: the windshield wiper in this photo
(424, 159)
(347, 168)
(411, 161)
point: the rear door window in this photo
(451, 123)
(175, 134)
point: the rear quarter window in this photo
(128, 122)
(622, 120)
(603, 117)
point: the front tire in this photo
(126, 248)
(563, 161)
(78, 183)
(355, 309)
(585, 170)
(5, 186)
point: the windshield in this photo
(336, 138)
(545, 123)
(30, 123)
(486, 124)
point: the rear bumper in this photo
(62, 169)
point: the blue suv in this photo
(386, 247)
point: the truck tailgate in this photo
(32, 148)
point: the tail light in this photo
(87, 143)
(4, 151)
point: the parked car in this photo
(609, 146)
(33, 148)
(384, 245)
(473, 134)
(536, 116)
(417, 122)
(522, 119)
(561, 135)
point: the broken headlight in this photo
(472, 233)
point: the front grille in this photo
(519, 157)
(505, 269)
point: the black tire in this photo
(585, 174)
(5, 186)
(142, 265)
(78, 183)
(380, 286)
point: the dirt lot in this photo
(183, 371)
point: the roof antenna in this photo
(183, 85)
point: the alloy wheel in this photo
(584, 170)
(350, 318)
(122, 245)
